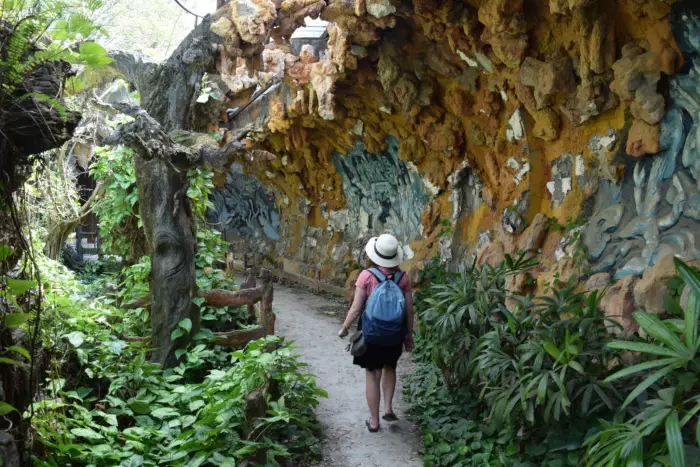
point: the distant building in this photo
(314, 32)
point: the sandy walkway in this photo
(313, 322)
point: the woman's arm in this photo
(358, 304)
(408, 342)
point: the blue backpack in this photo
(383, 318)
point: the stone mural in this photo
(244, 208)
(382, 193)
(655, 212)
(469, 130)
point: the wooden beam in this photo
(238, 337)
(219, 297)
(216, 297)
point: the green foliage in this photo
(106, 403)
(162, 418)
(667, 428)
(135, 284)
(541, 384)
(63, 27)
(120, 223)
(211, 249)
(207, 91)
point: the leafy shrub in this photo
(665, 428)
(159, 419)
(120, 224)
(108, 404)
(541, 384)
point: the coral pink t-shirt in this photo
(368, 281)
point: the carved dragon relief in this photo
(382, 192)
(665, 187)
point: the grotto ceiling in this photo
(459, 125)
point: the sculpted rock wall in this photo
(461, 126)
(244, 208)
(381, 192)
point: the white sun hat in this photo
(384, 251)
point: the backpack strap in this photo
(398, 275)
(378, 274)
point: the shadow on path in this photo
(313, 322)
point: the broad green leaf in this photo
(9, 361)
(654, 327)
(164, 412)
(552, 350)
(94, 54)
(140, 407)
(186, 324)
(577, 366)
(645, 384)
(640, 367)
(15, 320)
(5, 252)
(689, 275)
(188, 420)
(20, 350)
(76, 338)
(636, 458)
(642, 347)
(134, 461)
(87, 433)
(196, 404)
(177, 333)
(674, 439)
(6, 408)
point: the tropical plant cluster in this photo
(544, 382)
(104, 402)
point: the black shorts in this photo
(379, 356)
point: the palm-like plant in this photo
(458, 313)
(662, 430)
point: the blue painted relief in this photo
(382, 193)
(655, 211)
(244, 208)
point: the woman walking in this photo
(383, 297)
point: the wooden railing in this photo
(249, 294)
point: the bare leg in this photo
(374, 379)
(388, 388)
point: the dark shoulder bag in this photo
(357, 346)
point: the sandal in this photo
(390, 417)
(369, 426)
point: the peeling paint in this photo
(579, 168)
(359, 128)
(470, 61)
(520, 169)
(516, 129)
(484, 61)
(337, 220)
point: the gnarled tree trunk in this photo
(169, 225)
(56, 237)
(161, 167)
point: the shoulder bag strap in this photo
(378, 274)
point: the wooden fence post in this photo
(250, 283)
(267, 316)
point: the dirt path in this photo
(313, 322)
